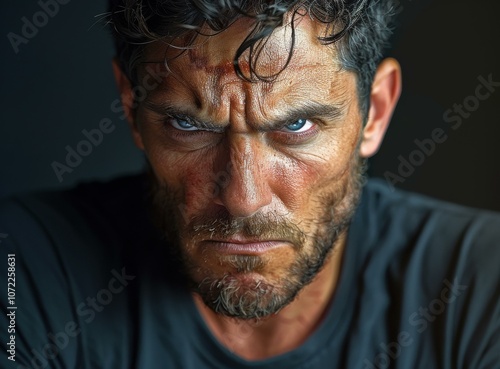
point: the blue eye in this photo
(300, 125)
(182, 124)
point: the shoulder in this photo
(75, 268)
(95, 225)
(429, 218)
(443, 262)
(60, 222)
(436, 238)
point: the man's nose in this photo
(247, 190)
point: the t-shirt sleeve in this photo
(73, 285)
(477, 335)
(446, 260)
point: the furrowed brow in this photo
(310, 110)
(167, 110)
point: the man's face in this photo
(255, 182)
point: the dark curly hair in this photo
(360, 29)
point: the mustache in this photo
(259, 226)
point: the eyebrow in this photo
(166, 109)
(308, 110)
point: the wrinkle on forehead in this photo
(205, 77)
(215, 53)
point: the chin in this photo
(245, 295)
(244, 286)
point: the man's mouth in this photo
(241, 246)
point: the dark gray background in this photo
(61, 83)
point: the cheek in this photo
(189, 176)
(297, 184)
(198, 188)
(303, 180)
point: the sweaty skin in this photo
(204, 119)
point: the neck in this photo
(286, 330)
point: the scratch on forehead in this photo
(202, 62)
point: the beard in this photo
(234, 285)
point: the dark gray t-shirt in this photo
(95, 288)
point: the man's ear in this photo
(385, 92)
(127, 99)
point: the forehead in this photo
(219, 48)
(204, 74)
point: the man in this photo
(267, 249)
